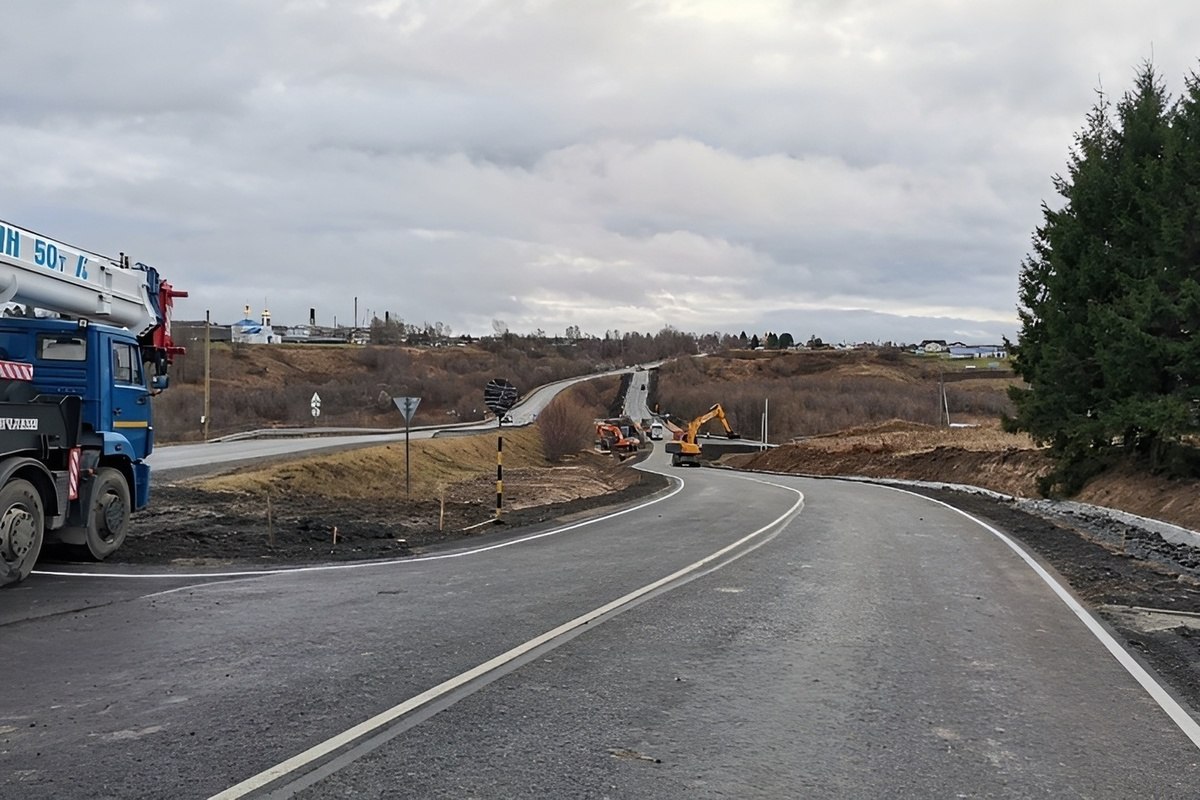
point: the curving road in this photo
(738, 636)
(234, 451)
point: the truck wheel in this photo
(108, 517)
(22, 524)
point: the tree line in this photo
(628, 347)
(1109, 297)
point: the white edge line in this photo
(380, 720)
(1156, 691)
(362, 564)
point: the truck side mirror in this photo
(159, 382)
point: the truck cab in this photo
(75, 426)
(100, 364)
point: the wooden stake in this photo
(442, 511)
(270, 522)
(335, 534)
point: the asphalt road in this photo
(723, 641)
(637, 397)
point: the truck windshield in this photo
(62, 348)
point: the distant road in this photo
(300, 440)
(637, 399)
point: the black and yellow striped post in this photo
(499, 476)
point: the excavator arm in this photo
(716, 412)
(686, 450)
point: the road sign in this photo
(315, 404)
(407, 406)
(499, 395)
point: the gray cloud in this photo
(868, 170)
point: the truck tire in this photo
(22, 528)
(108, 516)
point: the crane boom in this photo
(75, 395)
(39, 271)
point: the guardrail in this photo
(297, 433)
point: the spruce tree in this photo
(1109, 297)
(1139, 409)
(1056, 350)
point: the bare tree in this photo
(566, 427)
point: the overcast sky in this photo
(855, 170)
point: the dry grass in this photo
(868, 370)
(379, 471)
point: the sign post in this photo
(500, 396)
(408, 407)
(315, 404)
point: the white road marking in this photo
(385, 718)
(1153, 688)
(357, 564)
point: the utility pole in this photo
(944, 411)
(766, 419)
(207, 369)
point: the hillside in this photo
(808, 393)
(881, 413)
(257, 386)
(862, 412)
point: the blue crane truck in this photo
(80, 357)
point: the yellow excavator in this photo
(686, 450)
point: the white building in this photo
(247, 331)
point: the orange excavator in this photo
(621, 441)
(685, 451)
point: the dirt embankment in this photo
(289, 512)
(981, 456)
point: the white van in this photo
(656, 430)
